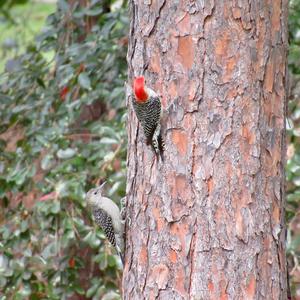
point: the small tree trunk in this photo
(208, 223)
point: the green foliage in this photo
(62, 131)
(294, 34)
(293, 122)
(19, 24)
(293, 153)
(7, 4)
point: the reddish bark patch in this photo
(224, 296)
(155, 63)
(236, 12)
(180, 187)
(179, 282)
(269, 78)
(248, 135)
(210, 184)
(276, 13)
(172, 90)
(230, 66)
(251, 288)
(239, 224)
(184, 24)
(159, 220)
(161, 272)
(186, 50)
(192, 90)
(224, 58)
(221, 46)
(180, 230)
(181, 194)
(143, 256)
(219, 214)
(276, 213)
(210, 286)
(231, 93)
(223, 286)
(173, 256)
(180, 139)
(152, 295)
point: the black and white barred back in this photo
(149, 115)
(105, 222)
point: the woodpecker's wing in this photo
(105, 222)
(149, 114)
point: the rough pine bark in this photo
(208, 223)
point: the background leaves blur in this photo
(62, 131)
(293, 150)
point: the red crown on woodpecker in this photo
(139, 89)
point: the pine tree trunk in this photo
(208, 223)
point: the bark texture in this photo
(209, 222)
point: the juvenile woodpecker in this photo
(108, 216)
(148, 109)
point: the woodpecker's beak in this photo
(102, 185)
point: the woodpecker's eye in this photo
(95, 193)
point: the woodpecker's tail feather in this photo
(122, 259)
(121, 255)
(161, 144)
(120, 250)
(158, 146)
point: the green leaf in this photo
(47, 162)
(84, 81)
(111, 295)
(111, 261)
(49, 251)
(92, 240)
(78, 289)
(55, 209)
(63, 5)
(94, 12)
(92, 290)
(108, 141)
(65, 154)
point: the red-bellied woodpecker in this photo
(108, 216)
(148, 109)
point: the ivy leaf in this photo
(92, 290)
(61, 94)
(50, 250)
(84, 81)
(63, 5)
(65, 154)
(94, 12)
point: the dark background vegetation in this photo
(62, 131)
